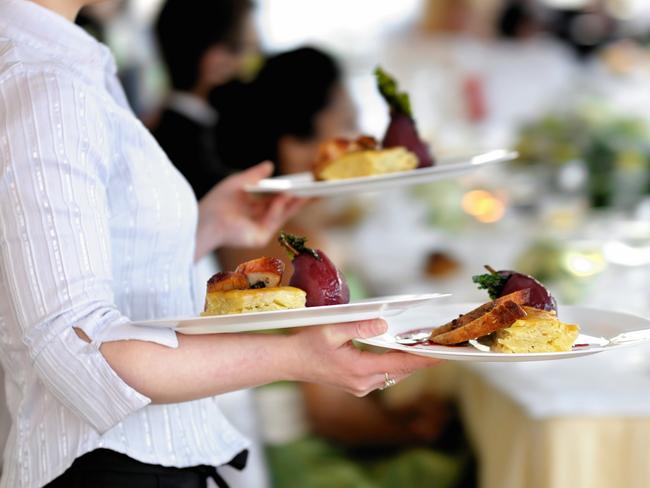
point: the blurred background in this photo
(564, 82)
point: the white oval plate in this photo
(594, 325)
(304, 185)
(300, 317)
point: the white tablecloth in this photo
(564, 424)
(614, 383)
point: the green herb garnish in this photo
(296, 245)
(388, 88)
(493, 282)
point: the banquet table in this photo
(565, 424)
(574, 423)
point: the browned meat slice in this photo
(519, 297)
(501, 316)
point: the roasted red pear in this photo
(502, 283)
(226, 281)
(401, 130)
(315, 273)
(262, 272)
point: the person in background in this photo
(204, 45)
(114, 23)
(297, 101)
(586, 29)
(521, 20)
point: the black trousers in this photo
(103, 468)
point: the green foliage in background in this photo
(314, 463)
(550, 262)
(608, 143)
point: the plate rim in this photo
(508, 357)
(380, 301)
(463, 162)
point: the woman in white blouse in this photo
(96, 228)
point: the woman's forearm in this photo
(208, 365)
(202, 366)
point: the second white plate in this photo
(300, 317)
(304, 185)
(594, 325)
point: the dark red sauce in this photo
(428, 343)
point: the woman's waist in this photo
(177, 433)
(182, 435)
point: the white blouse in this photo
(96, 227)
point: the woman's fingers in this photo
(325, 355)
(295, 204)
(396, 366)
(255, 174)
(364, 386)
(275, 210)
(397, 363)
(339, 334)
(281, 209)
(379, 381)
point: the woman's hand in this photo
(325, 355)
(228, 215)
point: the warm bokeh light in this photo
(483, 206)
(567, 4)
(584, 264)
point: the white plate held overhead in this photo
(299, 317)
(595, 326)
(304, 185)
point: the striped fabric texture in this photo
(96, 227)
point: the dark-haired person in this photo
(203, 44)
(297, 100)
(97, 228)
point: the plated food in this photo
(521, 318)
(353, 158)
(305, 184)
(402, 149)
(255, 285)
(368, 164)
(315, 273)
(602, 331)
(251, 298)
(252, 287)
(402, 130)
(373, 308)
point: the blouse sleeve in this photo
(55, 242)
